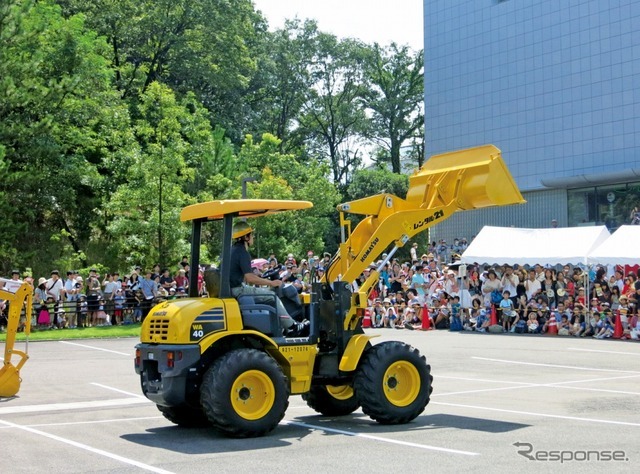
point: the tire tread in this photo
(368, 382)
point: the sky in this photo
(381, 21)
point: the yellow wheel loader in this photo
(19, 296)
(226, 363)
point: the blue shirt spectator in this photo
(148, 286)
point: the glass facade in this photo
(612, 205)
(554, 84)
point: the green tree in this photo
(333, 117)
(283, 80)
(202, 46)
(62, 130)
(281, 176)
(369, 182)
(395, 78)
(146, 223)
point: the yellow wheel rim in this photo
(401, 383)
(341, 392)
(252, 395)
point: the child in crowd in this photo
(508, 311)
(44, 315)
(102, 318)
(82, 311)
(564, 327)
(456, 320)
(412, 319)
(590, 324)
(400, 320)
(377, 314)
(605, 326)
(390, 316)
(482, 321)
(61, 320)
(137, 306)
(577, 321)
(533, 326)
(118, 303)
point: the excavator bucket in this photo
(9, 381)
(18, 294)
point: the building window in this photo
(612, 206)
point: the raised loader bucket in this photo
(9, 381)
(472, 178)
(446, 183)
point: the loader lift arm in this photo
(461, 180)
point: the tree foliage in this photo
(61, 126)
(115, 114)
(394, 98)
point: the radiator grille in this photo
(159, 328)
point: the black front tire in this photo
(244, 394)
(393, 383)
(184, 416)
(332, 401)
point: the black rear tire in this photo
(332, 401)
(244, 393)
(184, 416)
(393, 383)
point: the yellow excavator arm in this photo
(19, 298)
(462, 180)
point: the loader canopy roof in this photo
(215, 210)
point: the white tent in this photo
(622, 248)
(508, 245)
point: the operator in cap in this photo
(242, 277)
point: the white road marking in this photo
(137, 395)
(619, 392)
(113, 420)
(603, 352)
(116, 402)
(95, 348)
(448, 394)
(378, 438)
(590, 369)
(547, 415)
(101, 452)
(537, 385)
(480, 380)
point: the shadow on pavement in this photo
(208, 440)
(363, 424)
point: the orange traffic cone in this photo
(494, 315)
(366, 319)
(426, 320)
(552, 327)
(618, 331)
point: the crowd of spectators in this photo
(569, 301)
(101, 300)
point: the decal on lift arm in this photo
(428, 220)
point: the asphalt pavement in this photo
(500, 403)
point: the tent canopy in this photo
(508, 245)
(622, 248)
